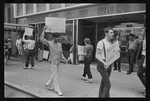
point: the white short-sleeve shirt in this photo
(100, 46)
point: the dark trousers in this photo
(87, 62)
(30, 54)
(131, 59)
(105, 82)
(141, 72)
(117, 64)
(9, 52)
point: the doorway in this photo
(90, 32)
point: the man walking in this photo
(55, 55)
(142, 65)
(102, 67)
(30, 53)
(131, 48)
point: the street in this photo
(122, 85)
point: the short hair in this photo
(55, 35)
(131, 35)
(31, 37)
(87, 40)
(106, 30)
(136, 37)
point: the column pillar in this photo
(6, 14)
(24, 9)
(75, 41)
(47, 7)
(15, 10)
(63, 5)
(34, 8)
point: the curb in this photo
(34, 92)
(20, 88)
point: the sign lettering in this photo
(108, 9)
(112, 53)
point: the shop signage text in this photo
(108, 8)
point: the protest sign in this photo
(28, 31)
(45, 54)
(56, 24)
(112, 53)
(81, 52)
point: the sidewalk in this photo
(33, 81)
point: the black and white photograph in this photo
(74, 50)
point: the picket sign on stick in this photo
(56, 24)
(28, 31)
(45, 54)
(112, 53)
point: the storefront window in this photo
(41, 7)
(19, 9)
(55, 5)
(29, 8)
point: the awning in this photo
(19, 25)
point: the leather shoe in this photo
(128, 73)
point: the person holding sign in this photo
(88, 50)
(30, 54)
(55, 55)
(102, 67)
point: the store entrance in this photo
(93, 28)
(87, 29)
(89, 32)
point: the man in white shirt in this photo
(19, 45)
(30, 54)
(102, 67)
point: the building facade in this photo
(8, 13)
(84, 20)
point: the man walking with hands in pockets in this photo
(55, 55)
(102, 67)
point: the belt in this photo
(131, 50)
(30, 49)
